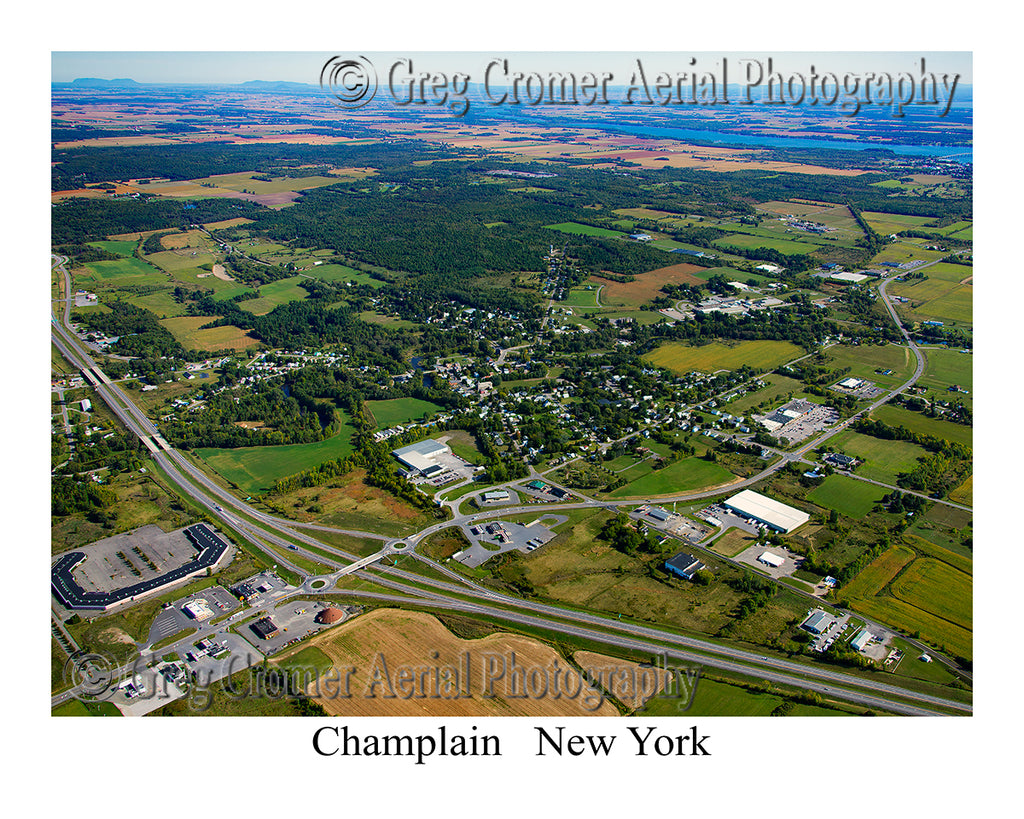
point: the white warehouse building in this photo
(777, 515)
(422, 456)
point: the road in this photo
(464, 595)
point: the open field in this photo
(254, 469)
(117, 273)
(681, 476)
(227, 223)
(944, 368)
(120, 247)
(938, 298)
(883, 460)
(274, 295)
(886, 223)
(577, 229)
(682, 358)
(910, 619)
(744, 241)
(847, 496)
(348, 502)
(916, 422)
(733, 542)
(186, 330)
(585, 296)
(964, 493)
(392, 322)
(399, 410)
(408, 639)
(864, 359)
(878, 573)
(646, 286)
(775, 387)
(341, 273)
(937, 588)
(900, 252)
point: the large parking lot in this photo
(814, 419)
(790, 561)
(174, 619)
(295, 620)
(122, 560)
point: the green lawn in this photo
(883, 460)
(683, 358)
(341, 273)
(399, 410)
(119, 247)
(254, 469)
(581, 297)
(120, 272)
(915, 421)
(681, 476)
(847, 496)
(585, 230)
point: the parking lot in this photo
(295, 620)
(262, 585)
(790, 561)
(815, 419)
(503, 536)
(125, 559)
(173, 619)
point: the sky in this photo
(241, 66)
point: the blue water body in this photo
(951, 152)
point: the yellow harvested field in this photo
(186, 330)
(176, 241)
(227, 223)
(406, 653)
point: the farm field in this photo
(682, 358)
(120, 247)
(254, 469)
(864, 359)
(733, 542)
(900, 252)
(910, 619)
(887, 223)
(937, 299)
(186, 330)
(585, 296)
(944, 368)
(399, 410)
(577, 229)
(410, 639)
(847, 496)
(883, 460)
(646, 286)
(878, 573)
(681, 476)
(117, 273)
(274, 295)
(964, 493)
(916, 422)
(937, 588)
(745, 241)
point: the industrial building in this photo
(818, 622)
(422, 456)
(770, 512)
(497, 496)
(770, 560)
(684, 565)
(862, 639)
(851, 383)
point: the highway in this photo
(463, 595)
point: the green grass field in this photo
(577, 229)
(399, 410)
(944, 368)
(744, 241)
(864, 359)
(254, 469)
(581, 297)
(915, 421)
(775, 387)
(908, 618)
(883, 460)
(683, 358)
(186, 330)
(275, 294)
(341, 273)
(847, 496)
(127, 271)
(121, 248)
(681, 476)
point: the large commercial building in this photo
(770, 512)
(422, 456)
(684, 565)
